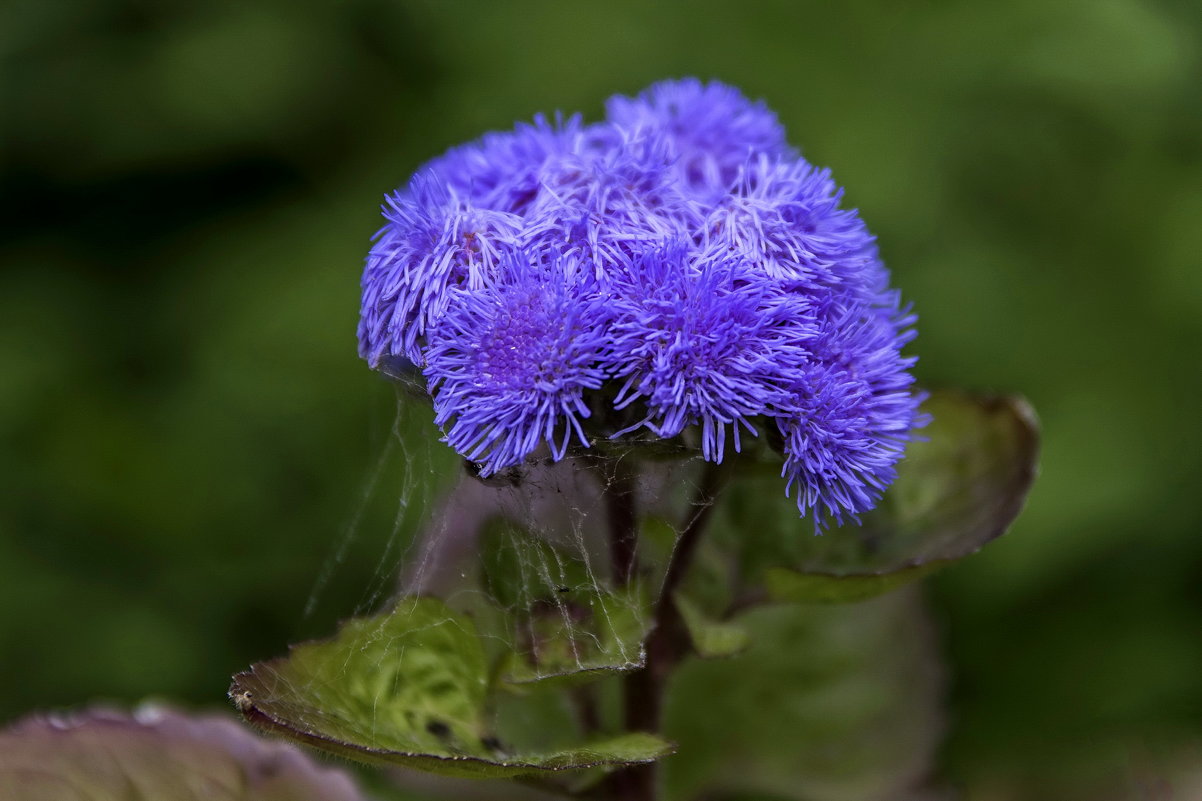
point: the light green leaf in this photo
(784, 584)
(412, 687)
(561, 623)
(711, 639)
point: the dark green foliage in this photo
(829, 703)
(957, 489)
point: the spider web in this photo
(529, 554)
(501, 611)
(502, 615)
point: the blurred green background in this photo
(187, 193)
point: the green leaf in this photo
(578, 638)
(412, 687)
(957, 488)
(711, 639)
(829, 703)
(157, 754)
(560, 621)
(784, 584)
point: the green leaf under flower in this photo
(562, 623)
(828, 703)
(413, 687)
(711, 639)
(959, 486)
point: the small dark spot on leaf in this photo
(438, 729)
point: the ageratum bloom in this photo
(508, 363)
(677, 263)
(711, 341)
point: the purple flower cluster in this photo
(678, 263)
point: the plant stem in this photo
(620, 504)
(643, 690)
(713, 478)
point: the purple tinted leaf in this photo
(157, 754)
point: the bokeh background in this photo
(187, 194)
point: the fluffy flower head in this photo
(509, 363)
(677, 263)
(713, 128)
(705, 340)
